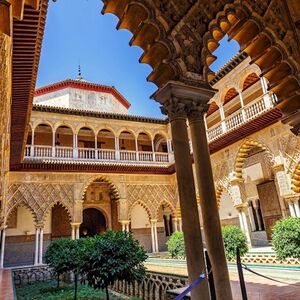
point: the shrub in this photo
(176, 245)
(64, 255)
(234, 238)
(112, 256)
(286, 238)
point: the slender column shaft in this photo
(245, 224)
(36, 251)
(209, 208)
(152, 238)
(41, 246)
(77, 232)
(292, 209)
(155, 236)
(250, 212)
(73, 232)
(180, 224)
(175, 220)
(117, 148)
(2, 238)
(53, 144)
(188, 205)
(297, 209)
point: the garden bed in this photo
(48, 291)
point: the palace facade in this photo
(90, 166)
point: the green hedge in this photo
(286, 238)
(176, 245)
(234, 238)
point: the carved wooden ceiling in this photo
(179, 36)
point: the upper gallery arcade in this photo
(254, 161)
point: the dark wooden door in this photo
(269, 204)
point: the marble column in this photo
(243, 222)
(155, 236)
(180, 224)
(297, 209)
(127, 223)
(32, 144)
(2, 247)
(117, 148)
(36, 250)
(152, 238)
(41, 244)
(208, 201)
(173, 98)
(77, 231)
(73, 226)
(175, 222)
(53, 144)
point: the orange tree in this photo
(111, 256)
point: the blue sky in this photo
(77, 32)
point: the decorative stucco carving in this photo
(152, 195)
(39, 198)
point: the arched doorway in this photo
(94, 222)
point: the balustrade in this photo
(104, 154)
(243, 115)
(86, 153)
(42, 151)
(128, 155)
(145, 156)
(63, 152)
(162, 157)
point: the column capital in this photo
(237, 181)
(179, 100)
(39, 226)
(291, 198)
(75, 223)
(79, 201)
(278, 167)
(153, 221)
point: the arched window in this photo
(64, 137)
(231, 102)
(86, 138)
(160, 144)
(144, 142)
(105, 139)
(43, 135)
(248, 93)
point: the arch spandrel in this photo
(244, 151)
(39, 198)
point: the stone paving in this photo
(257, 288)
(6, 288)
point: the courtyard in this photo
(133, 161)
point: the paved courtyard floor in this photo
(6, 288)
(258, 288)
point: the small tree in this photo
(286, 238)
(234, 238)
(176, 245)
(113, 256)
(64, 255)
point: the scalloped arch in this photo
(168, 204)
(142, 204)
(243, 152)
(113, 188)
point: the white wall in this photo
(25, 224)
(82, 99)
(227, 209)
(139, 217)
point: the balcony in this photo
(240, 117)
(38, 152)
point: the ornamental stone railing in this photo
(97, 155)
(153, 287)
(245, 114)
